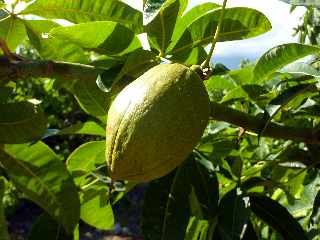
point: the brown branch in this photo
(14, 70)
(6, 51)
(221, 112)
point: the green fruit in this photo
(155, 122)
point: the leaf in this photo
(104, 37)
(87, 156)
(242, 76)
(250, 233)
(219, 82)
(160, 28)
(233, 215)
(188, 18)
(21, 122)
(239, 23)
(5, 93)
(45, 225)
(91, 99)
(315, 216)
(96, 209)
(87, 128)
(85, 160)
(42, 177)
(277, 217)
(166, 211)
(79, 11)
(137, 63)
(300, 68)
(282, 100)
(38, 31)
(302, 2)
(206, 187)
(12, 31)
(279, 57)
(197, 229)
(4, 235)
(235, 94)
(194, 57)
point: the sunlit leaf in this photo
(105, 37)
(190, 16)
(280, 56)
(38, 31)
(239, 23)
(160, 28)
(12, 31)
(87, 157)
(42, 177)
(88, 128)
(95, 207)
(197, 229)
(78, 11)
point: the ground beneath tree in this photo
(127, 214)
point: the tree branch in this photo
(221, 112)
(13, 70)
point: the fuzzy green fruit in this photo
(155, 122)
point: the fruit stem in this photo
(206, 63)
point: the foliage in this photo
(236, 184)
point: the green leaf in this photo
(166, 211)
(280, 56)
(239, 23)
(21, 122)
(85, 160)
(5, 93)
(87, 157)
(137, 63)
(235, 94)
(219, 82)
(302, 2)
(188, 18)
(315, 216)
(194, 57)
(42, 177)
(38, 31)
(4, 235)
(233, 215)
(87, 128)
(277, 217)
(79, 11)
(161, 27)
(282, 100)
(12, 31)
(45, 225)
(206, 187)
(104, 37)
(301, 68)
(197, 229)
(250, 233)
(95, 207)
(242, 76)
(91, 99)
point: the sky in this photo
(278, 12)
